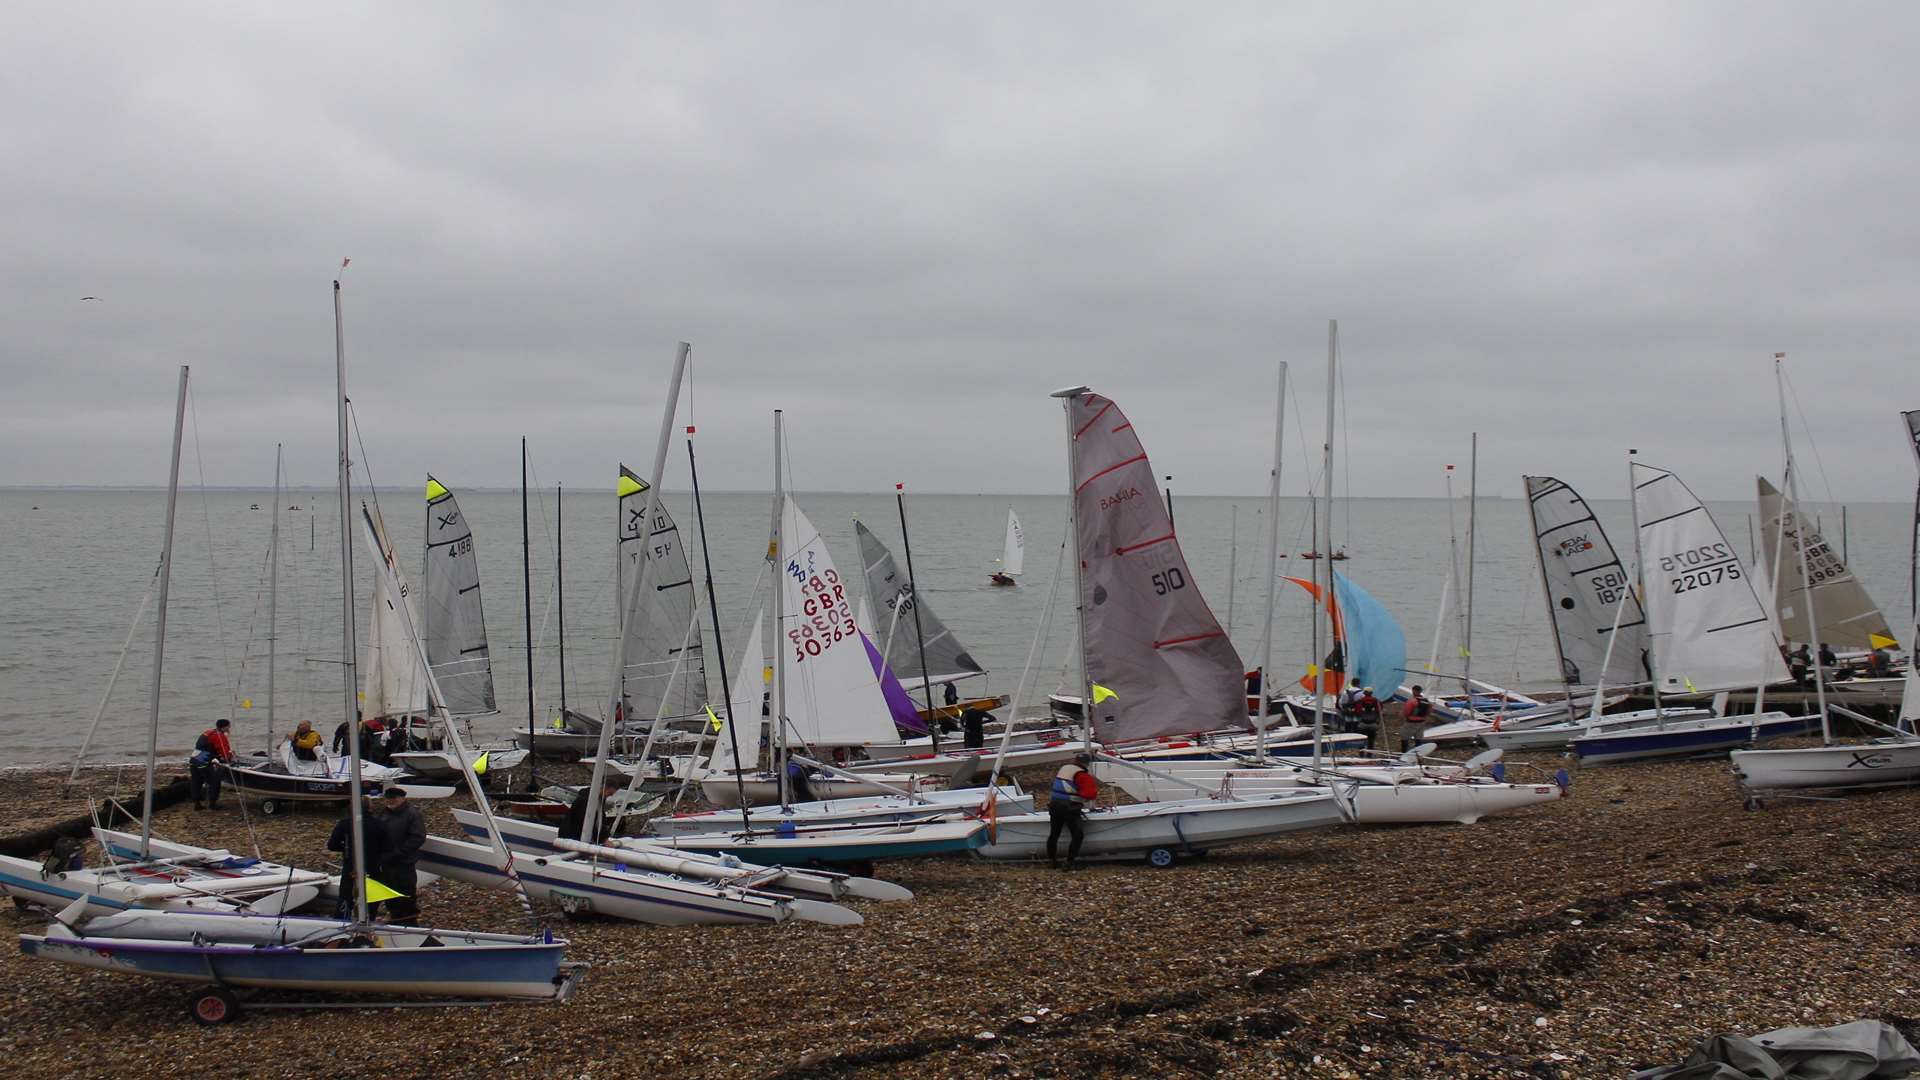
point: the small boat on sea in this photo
(1013, 557)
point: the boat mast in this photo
(1799, 545)
(1546, 590)
(1273, 570)
(273, 594)
(160, 618)
(1640, 580)
(590, 828)
(1473, 494)
(1326, 507)
(559, 590)
(776, 554)
(1233, 558)
(1067, 397)
(913, 597)
(350, 685)
(526, 596)
(719, 643)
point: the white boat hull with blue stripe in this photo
(1183, 825)
(1687, 738)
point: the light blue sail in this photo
(1376, 646)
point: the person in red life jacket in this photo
(1366, 715)
(203, 768)
(1414, 717)
(1074, 789)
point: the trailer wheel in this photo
(1752, 803)
(269, 807)
(21, 905)
(213, 1005)
(1160, 858)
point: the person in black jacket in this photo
(575, 822)
(403, 831)
(342, 842)
(973, 722)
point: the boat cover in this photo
(1864, 1048)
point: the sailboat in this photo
(1479, 704)
(454, 633)
(1707, 628)
(1850, 623)
(395, 688)
(221, 951)
(914, 638)
(1013, 558)
(1887, 761)
(1599, 628)
(1160, 659)
(648, 687)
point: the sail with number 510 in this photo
(1149, 638)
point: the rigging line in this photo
(253, 620)
(213, 570)
(1807, 428)
(366, 466)
(1346, 449)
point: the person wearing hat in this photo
(1074, 789)
(576, 819)
(342, 841)
(403, 831)
(210, 751)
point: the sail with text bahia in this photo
(1147, 633)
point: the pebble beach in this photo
(1581, 938)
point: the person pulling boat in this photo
(1074, 789)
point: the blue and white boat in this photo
(1684, 738)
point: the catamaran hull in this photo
(830, 844)
(860, 810)
(529, 971)
(580, 885)
(1556, 736)
(445, 764)
(1184, 825)
(722, 790)
(22, 880)
(947, 766)
(1882, 763)
(1687, 738)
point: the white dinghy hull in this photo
(1881, 763)
(1183, 825)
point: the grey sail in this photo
(1586, 586)
(1152, 644)
(452, 625)
(893, 598)
(1847, 615)
(662, 615)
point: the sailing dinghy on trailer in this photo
(1893, 760)
(1707, 630)
(1162, 662)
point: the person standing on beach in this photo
(576, 819)
(1414, 716)
(342, 841)
(210, 751)
(403, 831)
(1074, 789)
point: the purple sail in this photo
(905, 716)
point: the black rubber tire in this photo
(269, 807)
(213, 1005)
(1160, 858)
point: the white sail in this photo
(1847, 615)
(661, 615)
(749, 687)
(1586, 584)
(454, 627)
(833, 696)
(1014, 559)
(395, 681)
(1708, 628)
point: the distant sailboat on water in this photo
(1013, 558)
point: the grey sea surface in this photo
(74, 564)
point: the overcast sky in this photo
(1575, 230)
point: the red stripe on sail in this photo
(1143, 544)
(1108, 469)
(1184, 640)
(1124, 426)
(1095, 420)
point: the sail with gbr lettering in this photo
(662, 615)
(1846, 614)
(453, 628)
(833, 696)
(1708, 628)
(1586, 585)
(1146, 632)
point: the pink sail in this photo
(1149, 636)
